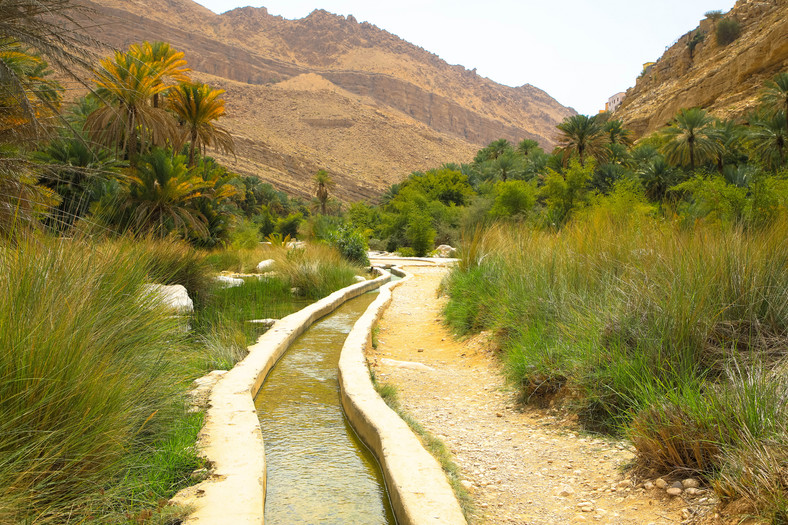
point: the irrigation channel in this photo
(318, 470)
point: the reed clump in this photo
(675, 336)
(87, 381)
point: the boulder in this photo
(174, 296)
(445, 251)
(229, 282)
(266, 265)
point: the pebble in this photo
(661, 483)
(674, 491)
(690, 483)
(648, 485)
(624, 483)
(565, 491)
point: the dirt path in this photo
(520, 465)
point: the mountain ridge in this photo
(725, 80)
(247, 50)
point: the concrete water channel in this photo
(318, 471)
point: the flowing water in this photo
(318, 470)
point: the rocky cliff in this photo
(329, 92)
(723, 79)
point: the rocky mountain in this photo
(723, 79)
(329, 92)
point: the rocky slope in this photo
(329, 92)
(723, 79)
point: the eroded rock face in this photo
(383, 108)
(723, 79)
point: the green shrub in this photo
(350, 244)
(513, 198)
(728, 30)
(420, 234)
(289, 225)
(86, 380)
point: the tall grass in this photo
(315, 270)
(86, 381)
(674, 336)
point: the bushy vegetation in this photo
(91, 385)
(727, 31)
(646, 288)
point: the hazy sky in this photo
(579, 51)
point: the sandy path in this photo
(521, 465)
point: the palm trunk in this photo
(192, 147)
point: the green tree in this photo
(581, 135)
(691, 139)
(197, 106)
(492, 151)
(564, 194)
(125, 84)
(167, 63)
(774, 96)
(513, 198)
(161, 196)
(505, 165)
(28, 96)
(768, 137)
(527, 146)
(617, 133)
(323, 184)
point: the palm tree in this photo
(165, 60)
(728, 134)
(768, 137)
(52, 28)
(504, 165)
(161, 194)
(27, 95)
(493, 150)
(323, 185)
(197, 106)
(583, 135)
(690, 139)
(125, 85)
(775, 95)
(657, 178)
(617, 133)
(76, 171)
(526, 146)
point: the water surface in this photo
(318, 470)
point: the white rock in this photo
(690, 483)
(445, 251)
(564, 491)
(359, 279)
(229, 282)
(174, 296)
(266, 265)
(648, 485)
(692, 491)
